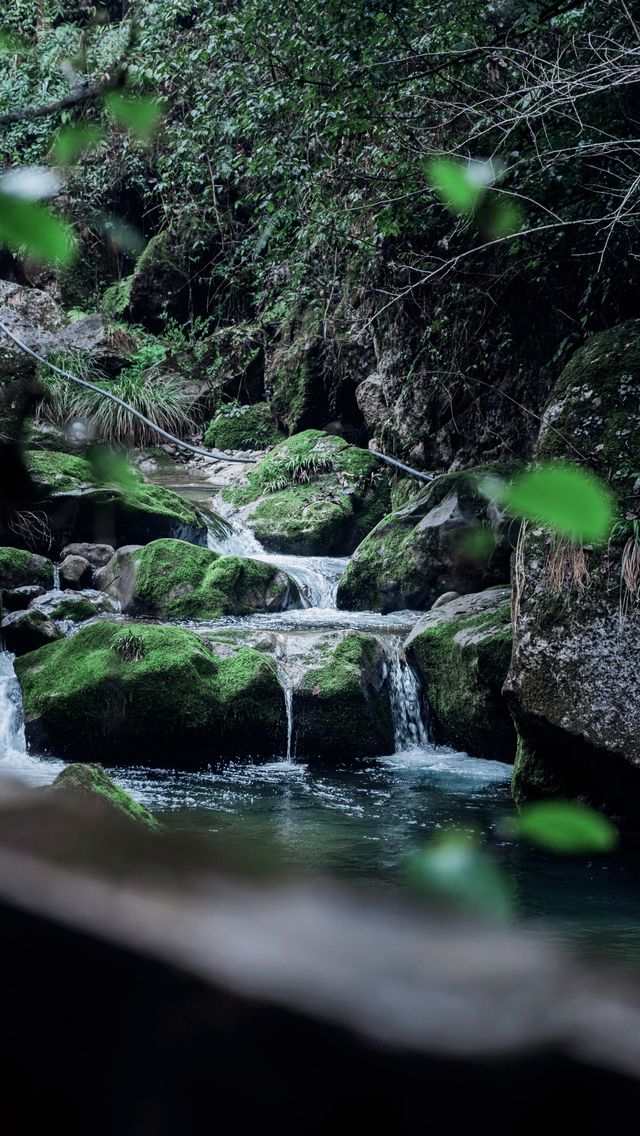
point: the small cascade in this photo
(410, 731)
(56, 578)
(316, 576)
(285, 677)
(12, 739)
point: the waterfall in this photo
(56, 578)
(410, 731)
(288, 701)
(316, 576)
(12, 740)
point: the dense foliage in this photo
(292, 176)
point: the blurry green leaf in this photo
(568, 499)
(121, 235)
(454, 185)
(27, 226)
(476, 545)
(140, 114)
(455, 871)
(504, 218)
(111, 467)
(564, 827)
(72, 141)
(10, 42)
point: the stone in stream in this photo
(90, 783)
(462, 653)
(81, 506)
(75, 572)
(170, 579)
(22, 569)
(75, 610)
(18, 599)
(24, 631)
(147, 694)
(313, 494)
(341, 707)
(573, 682)
(449, 538)
(97, 554)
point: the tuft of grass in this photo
(298, 469)
(160, 397)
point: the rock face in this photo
(171, 579)
(313, 494)
(24, 631)
(79, 507)
(573, 682)
(90, 783)
(18, 599)
(462, 651)
(341, 709)
(449, 539)
(145, 694)
(20, 569)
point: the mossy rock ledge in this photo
(462, 652)
(171, 579)
(313, 494)
(449, 538)
(90, 783)
(243, 428)
(573, 682)
(79, 507)
(19, 569)
(341, 708)
(143, 694)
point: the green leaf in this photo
(566, 498)
(72, 141)
(565, 827)
(505, 218)
(453, 184)
(27, 226)
(456, 872)
(141, 115)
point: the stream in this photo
(359, 821)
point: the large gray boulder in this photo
(573, 683)
(450, 538)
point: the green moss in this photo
(76, 610)
(464, 662)
(91, 782)
(182, 581)
(149, 694)
(340, 709)
(596, 408)
(19, 568)
(59, 472)
(242, 428)
(141, 509)
(314, 494)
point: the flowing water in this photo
(360, 821)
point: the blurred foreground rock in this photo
(145, 988)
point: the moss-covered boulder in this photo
(76, 611)
(462, 652)
(82, 505)
(573, 683)
(341, 708)
(450, 538)
(90, 783)
(146, 694)
(171, 579)
(313, 494)
(20, 569)
(243, 428)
